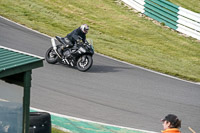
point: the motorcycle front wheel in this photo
(84, 63)
(51, 56)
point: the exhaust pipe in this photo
(53, 43)
(54, 47)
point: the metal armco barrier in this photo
(173, 16)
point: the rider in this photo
(77, 36)
(79, 32)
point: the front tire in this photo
(51, 56)
(84, 63)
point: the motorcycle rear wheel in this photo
(84, 63)
(50, 56)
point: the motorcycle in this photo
(81, 57)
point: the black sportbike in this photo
(81, 57)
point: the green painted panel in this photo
(166, 5)
(160, 19)
(15, 59)
(7, 54)
(161, 13)
(20, 68)
(10, 59)
(12, 62)
(169, 3)
(161, 9)
(16, 62)
(161, 16)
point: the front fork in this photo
(83, 58)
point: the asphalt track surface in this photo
(111, 92)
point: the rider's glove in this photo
(79, 41)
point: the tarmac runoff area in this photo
(77, 125)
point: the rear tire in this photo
(84, 63)
(51, 57)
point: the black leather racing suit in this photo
(72, 39)
(75, 36)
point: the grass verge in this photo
(116, 31)
(55, 130)
(192, 5)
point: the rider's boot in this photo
(60, 51)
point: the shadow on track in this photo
(107, 69)
(98, 68)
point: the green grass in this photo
(55, 130)
(116, 31)
(193, 5)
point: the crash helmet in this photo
(85, 28)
